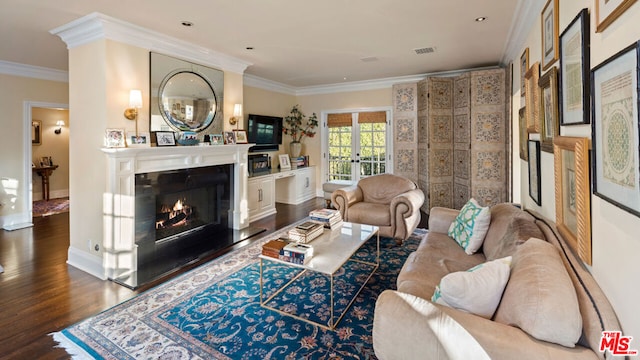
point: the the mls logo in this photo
(616, 343)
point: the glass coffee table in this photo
(331, 251)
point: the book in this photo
(304, 236)
(324, 213)
(273, 248)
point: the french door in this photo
(357, 144)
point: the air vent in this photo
(425, 50)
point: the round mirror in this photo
(187, 101)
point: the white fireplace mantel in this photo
(119, 244)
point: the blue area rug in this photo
(214, 312)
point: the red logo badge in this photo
(616, 343)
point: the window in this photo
(357, 144)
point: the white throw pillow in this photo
(470, 226)
(477, 290)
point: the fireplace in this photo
(172, 204)
(166, 207)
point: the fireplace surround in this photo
(167, 207)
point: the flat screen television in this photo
(264, 131)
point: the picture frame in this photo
(524, 66)
(532, 98)
(36, 132)
(217, 139)
(165, 138)
(229, 138)
(524, 134)
(241, 136)
(45, 161)
(549, 23)
(575, 71)
(143, 139)
(285, 163)
(114, 138)
(572, 193)
(607, 11)
(549, 126)
(533, 150)
(615, 96)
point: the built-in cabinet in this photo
(292, 186)
(260, 198)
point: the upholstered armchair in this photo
(388, 201)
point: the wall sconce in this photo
(59, 124)
(237, 114)
(135, 103)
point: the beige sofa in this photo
(408, 325)
(388, 201)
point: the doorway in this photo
(46, 155)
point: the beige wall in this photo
(14, 92)
(615, 240)
(57, 147)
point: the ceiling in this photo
(297, 43)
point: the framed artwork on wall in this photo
(607, 11)
(524, 66)
(615, 128)
(574, 71)
(534, 171)
(573, 196)
(524, 134)
(36, 132)
(532, 97)
(549, 127)
(549, 22)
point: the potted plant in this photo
(298, 126)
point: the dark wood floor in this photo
(41, 294)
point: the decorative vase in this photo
(295, 148)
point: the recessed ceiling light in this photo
(481, 18)
(187, 23)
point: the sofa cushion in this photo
(518, 231)
(477, 290)
(540, 297)
(470, 226)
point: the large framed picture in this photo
(607, 11)
(549, 22)
(549, 127)
(614, 130)
(532, 98)
(534, 171)
(574, 71)
(524, 66)
(573, 197)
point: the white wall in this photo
(615, 239)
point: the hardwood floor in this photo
(41, 294)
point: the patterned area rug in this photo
(51, 207)
(214, 312)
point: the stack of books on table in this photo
(329, 218)
(306, 232)
(273, 248)
(297, 253)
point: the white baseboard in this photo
(15, 221)
(86, 262)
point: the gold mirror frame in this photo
(573, 195)
(532, 98)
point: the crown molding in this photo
(96, 26)
(527, 12)
(31, 71)
(270, 85)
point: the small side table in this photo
(45, 172)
